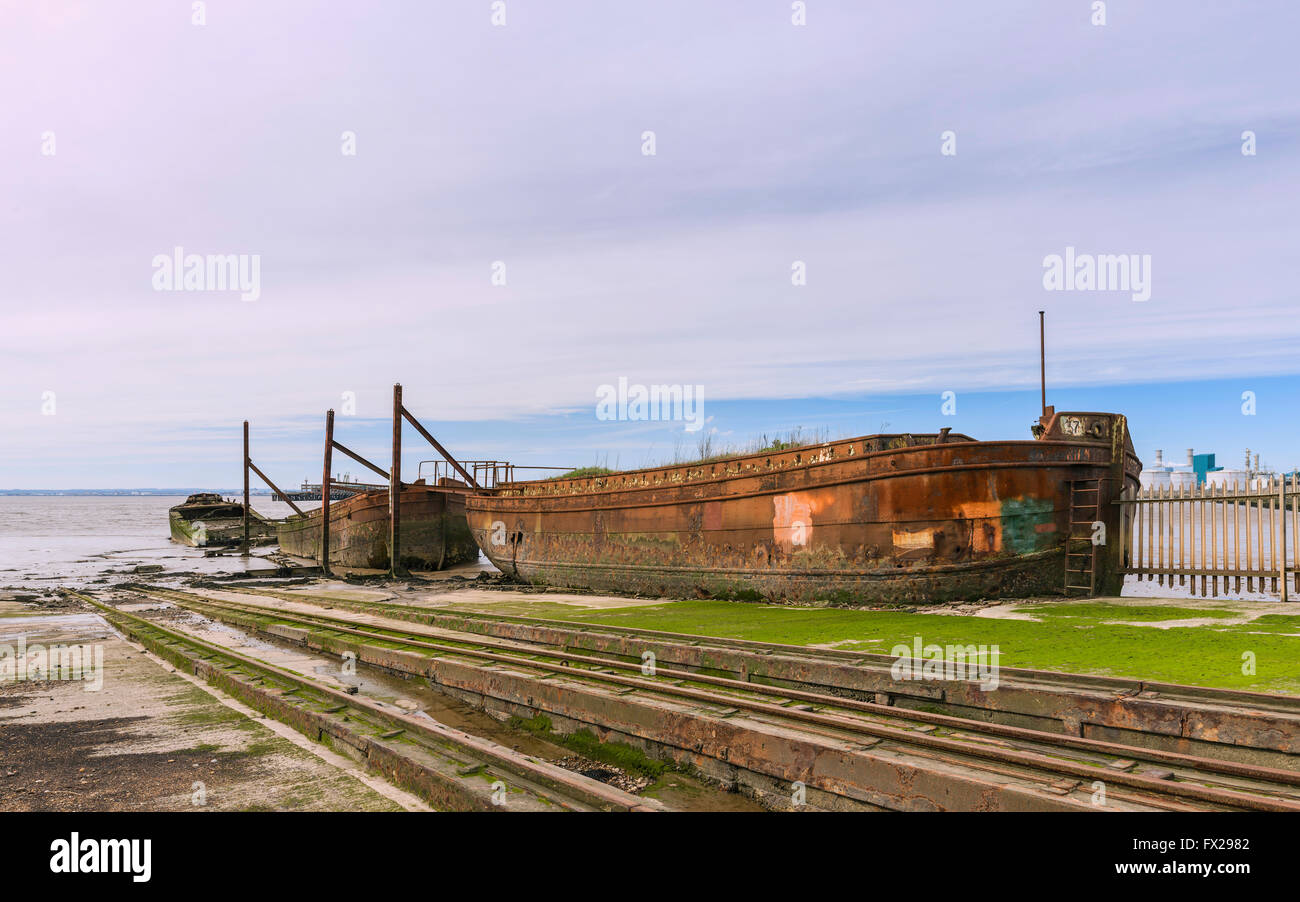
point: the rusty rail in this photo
(528, 655)
(571, 790)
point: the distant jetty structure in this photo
(339, 489)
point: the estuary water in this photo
(79, 540)
(87, 540)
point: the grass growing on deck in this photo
(1067, 637)
(583, 472)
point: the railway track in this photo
(1047, 763)
(449, 768)
(1250, 727)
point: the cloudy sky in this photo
(127, 130)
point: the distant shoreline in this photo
(127, 492)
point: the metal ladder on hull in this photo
(1080, 552)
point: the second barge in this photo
(434, 531)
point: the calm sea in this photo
(49, 540)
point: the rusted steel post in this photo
(325, 494)
(244, 548)
(1042, 360)
(395, 489)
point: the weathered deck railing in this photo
(1233, 533)
(493, 473)
(487, 473)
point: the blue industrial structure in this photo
(1202, 464)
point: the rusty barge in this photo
(434, 531)
(424, 520)
(875, 519)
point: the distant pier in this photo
(338, 491)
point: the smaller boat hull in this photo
(435, 534)
(207, 521)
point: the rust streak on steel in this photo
(395, 489)
(275, 488)
(439, 448)
(361, 460)
(324, 556)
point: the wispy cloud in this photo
(522, 144)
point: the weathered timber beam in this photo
(359, 459)
(275, 488)
(439, 448)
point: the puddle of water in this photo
(46, 622)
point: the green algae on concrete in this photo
(1080, 640)
(1104, 612)
(585, 743)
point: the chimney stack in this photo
(1159, 458)
(1189, 457)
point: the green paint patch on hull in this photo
(1025, 525)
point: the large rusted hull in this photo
(434, 531)
(901, 519)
